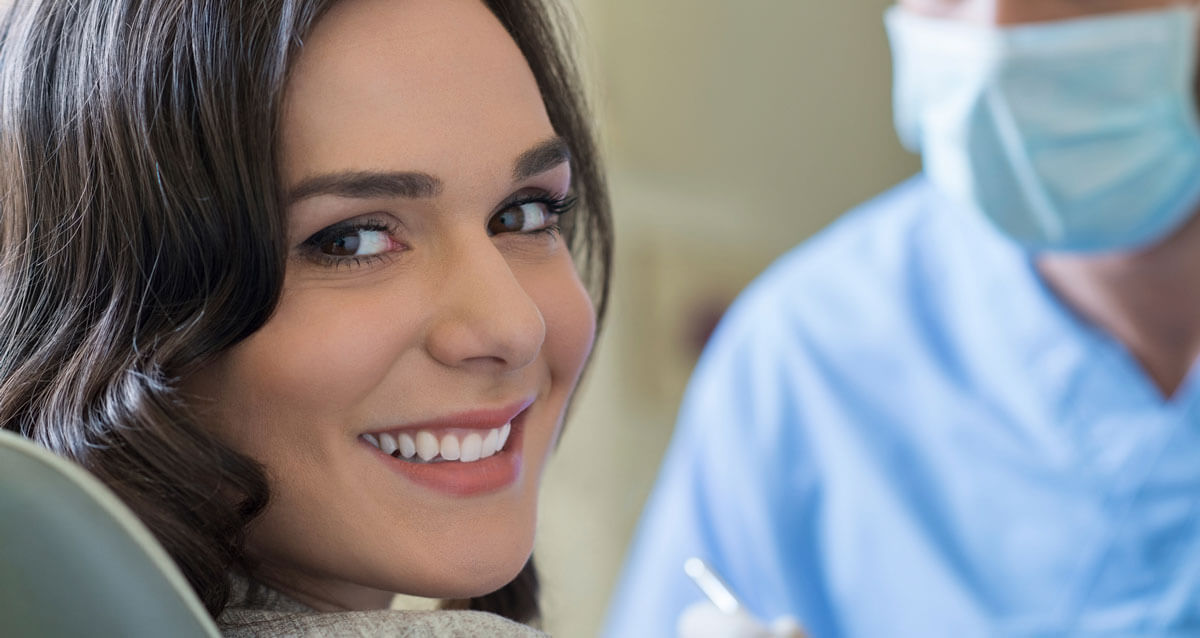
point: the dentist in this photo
(969, 407)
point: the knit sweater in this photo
(260, 611)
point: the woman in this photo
(296, 280)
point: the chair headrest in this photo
(75, 561)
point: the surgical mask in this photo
(1074, 135)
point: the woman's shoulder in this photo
(239, 623)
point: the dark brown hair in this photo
(142, 234)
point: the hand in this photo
(704, 620)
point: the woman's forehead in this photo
(431, 85)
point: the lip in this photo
(466, 479)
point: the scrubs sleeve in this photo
(738, 486)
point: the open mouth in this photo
(456, 445)
(462, 455)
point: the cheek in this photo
(314, 362)
(570, 324)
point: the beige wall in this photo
(733, 130)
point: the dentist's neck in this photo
(1148, 300)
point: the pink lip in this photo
(467, 479)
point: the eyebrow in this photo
(541, 158)
(415, 185)
(367, 184)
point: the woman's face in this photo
(428, 305)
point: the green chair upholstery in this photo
(74, 561)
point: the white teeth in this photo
(450, 447)
(504, 432)
(427, 446)
(387, 443)
(408, 447)
(472, 445)
(491, 443)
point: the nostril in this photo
(507, 334)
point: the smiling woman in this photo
(299, 282)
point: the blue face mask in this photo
(1076, 135)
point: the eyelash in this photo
(556, 207)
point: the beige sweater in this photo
(270, 613)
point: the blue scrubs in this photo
(898, 430)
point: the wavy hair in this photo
(142, 234)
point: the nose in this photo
(483, 316)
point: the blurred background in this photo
(732, 131)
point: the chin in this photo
(473, 579)
(495, 558)
(494, 582)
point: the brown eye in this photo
(356, 242)
(342, 246)
(522, 218)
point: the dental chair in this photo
(74, 561)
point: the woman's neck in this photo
(1148, 300)
(324, 594)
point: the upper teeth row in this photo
(426, 446)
